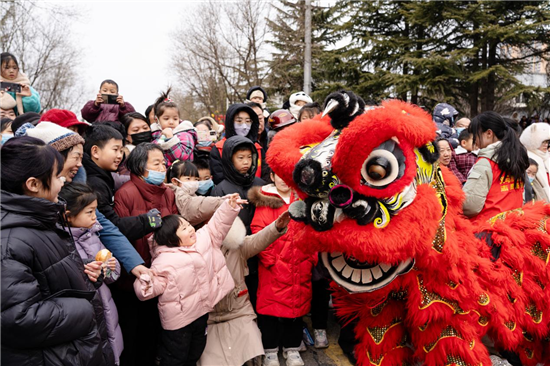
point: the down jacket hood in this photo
(229, 171)
(230, 116)
(533, 136)
(265, 196)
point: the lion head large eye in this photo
(384, 165)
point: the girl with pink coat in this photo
(192, 277)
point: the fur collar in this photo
(235, 236)
(265, 197)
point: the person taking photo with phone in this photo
(108, 105)
(26, 98)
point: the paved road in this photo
(331, 356)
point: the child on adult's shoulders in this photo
(108, 105)
(463, 156)
(176, 138)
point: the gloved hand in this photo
(155, 221)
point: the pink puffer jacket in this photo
(191, 280)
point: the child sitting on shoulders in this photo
(108, 104)
(177, 138)
(185, 180)
(191, 279)
(81, 214)
(463, 156)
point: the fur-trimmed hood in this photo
(265, 196)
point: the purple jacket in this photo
(88, 244)
(105, 112)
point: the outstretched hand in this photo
(235, 200)
(282, 221)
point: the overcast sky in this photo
(128, 42)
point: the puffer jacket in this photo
(284, 271)
(105, 112)
(137, 197)
(51, 313)
(88, 244)
(190, 280)
(233, 335)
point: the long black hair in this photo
(511, 156)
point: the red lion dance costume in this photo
(388, 221)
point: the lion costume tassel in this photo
(387, 219)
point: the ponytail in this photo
(511, 156)
(163, 102)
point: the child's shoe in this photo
(293, 357)
(271, 358)
(321, 340)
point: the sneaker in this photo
(271, 359)
(293, 358)
(321, 340)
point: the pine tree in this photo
(287, 26)
(464, 52)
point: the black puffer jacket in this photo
(51, 313)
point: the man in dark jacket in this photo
(102, 155)
(51, 313)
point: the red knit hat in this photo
(63, 118)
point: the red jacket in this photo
(284, 271)
(504, 195)
(136, 197)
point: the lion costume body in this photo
(404, 260)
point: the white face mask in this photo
(242, 129)
(190, 187)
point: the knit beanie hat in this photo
(60, 138)
(257, 93)
(7, 101)
(63, 118)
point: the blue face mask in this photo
(204, 186)
(6, 137)
(531, 179)
(155, 178)
(459, 130)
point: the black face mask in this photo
(140, 138)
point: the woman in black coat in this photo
(50, 309)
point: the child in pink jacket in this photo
(191, 278)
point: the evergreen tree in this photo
(464, 52)
(287, 26)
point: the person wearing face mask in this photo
(538, 193)
(6, 130)
(240, 120)
(144, 192)
(185, 181)
(536, 140)
(138, 130)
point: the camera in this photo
(11, 87)
(109, 98)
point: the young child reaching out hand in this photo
(191, 279)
